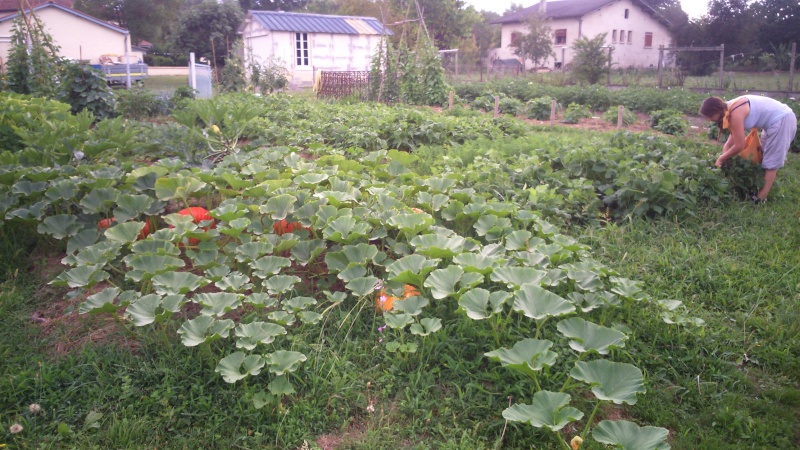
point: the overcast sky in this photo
(694, 8)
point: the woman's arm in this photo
(735, 142)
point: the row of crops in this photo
(311, 211)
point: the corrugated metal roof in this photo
(317, 23)
(564, 9)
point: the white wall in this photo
(77, 38)
(327, 51)
(605, 20)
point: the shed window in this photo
(561, 37)
(626, 13)
(648, 40)
(614, 37)
(301, 48)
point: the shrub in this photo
(538, 108)
(575, 113)
(83, 87)
(138, 103)
(669, 122)
(591, 60)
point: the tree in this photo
(536, 45)
(273, 5)
(732, 23)
(781, 23)
(447, 21)
(486, 34)
(209, 29)
(145, 19)
(591, 59)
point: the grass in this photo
(731, 384)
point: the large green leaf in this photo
(81, 276)
(234, 282)
(362, 286)
(612, 381)
(279, 284)
(154, 308)
(527, 356)
(538, 303)
(426, 326)
(279, 206)
(515, 277)
(269, 265)
(131, 206)
(438, 246)
(626, 435)
(151, 264)
(249, 335)
(480, 304)
(492, 227)
(125, 232)
(412, 305)
(204, 329)
(588, 336)
(411, 269)
(236, 366)
(586, 280)
(411, 224)
(177, 188)
(442, 282)
(283, 361)
(102, 302)
(177, 282)
(253, 250)
(59, 226)
(350, 254)
(217, 303)
(548, 410)
(474, 262)
(99, 200)
(346, 229)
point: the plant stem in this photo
(591, 418)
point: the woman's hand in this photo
(719, 161)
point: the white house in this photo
(307, 43)
(78, 35)
(634, 29)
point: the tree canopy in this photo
(208, 29)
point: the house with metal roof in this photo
(78, 35)
(633, 28)
(308, 43)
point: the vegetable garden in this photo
(312, 267)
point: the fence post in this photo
(451, 101)
(552, 112)
(192, 73)
(721, 64)
(620, 109)
(496, 106)
(660, 66)
(608, 78)
(563, 61)
(791, 67)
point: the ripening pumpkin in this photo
(145, 231)
(282, 227)
(383, 301)
(199, 214)
(102, 224)
(410, 291)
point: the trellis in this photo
(344, 84)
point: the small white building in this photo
(634, 29)
(78, 35)
(307, 43)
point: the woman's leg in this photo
(769, 178)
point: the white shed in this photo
(307, 43)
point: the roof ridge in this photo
(332, 16)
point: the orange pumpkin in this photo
(145, 231)
(105, 223)
(282, 227)
(383, 301)
(199, 214)
(410, 291)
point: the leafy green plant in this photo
(575, 113)
(84, 88)
(139, 103)
(591, 59)
(538, 108)
(33, 61)
(744, 176)
(267, 76)
(612, 116)
(669, 122)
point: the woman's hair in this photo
(714, 105)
